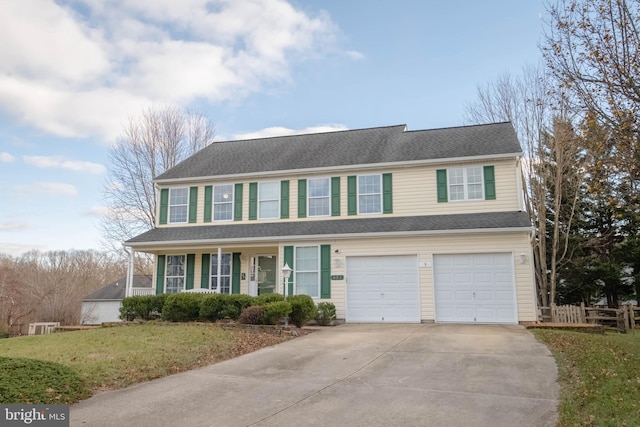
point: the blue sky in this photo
(73, 71)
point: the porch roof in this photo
(333, 228)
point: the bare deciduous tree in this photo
(149, 145)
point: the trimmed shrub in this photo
(211, 307)
(267, 298)
(39, 382)
(302, 309)
(234, 304)
(182, 307)
(274, 311)
(325, 313)
(142, 307)
(253, 315)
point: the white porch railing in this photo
(142, 291)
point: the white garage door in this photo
(383, 289)
(475, 288)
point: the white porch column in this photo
(128, 290)
(219, 269)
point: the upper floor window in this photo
(369, 194)
(269, 200)
(307, 271)
(221, 283)
(178, 204)
(466, 184)
(223, 202)
(319, 197)
(175, 274)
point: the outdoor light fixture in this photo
(523, 258)
(286, 273)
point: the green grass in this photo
(599, 377)
(111, 358)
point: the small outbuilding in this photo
(104, 304)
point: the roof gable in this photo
(345, 148)
(116, 290)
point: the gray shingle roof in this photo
(353, 147)
(116, 290)
(346, 227)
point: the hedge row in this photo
(187, 307)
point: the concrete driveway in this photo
(354, 375)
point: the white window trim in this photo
(278, 186)
(309, 197)
(186, 219)
(296, 270)
(213, 274)
(213, 202)
(379, 175)
(167, 277)
(465, 184)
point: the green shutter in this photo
(302, 198)
(387, 193)
(335, 196)
(205, 273)
(489, 183)
(235, 273)
(441, 181)
(237, 203)
(164, 205)
(193, 204)
(208, 202)
(288, 259)
(352, 195)
(160, 259)
(325, 271)
(253, 200)
(284, 199)
(191, 264)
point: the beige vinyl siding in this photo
(414, 193)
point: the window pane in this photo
(456, 192)
(269, 209)
(269, 191)
(178, 196)
(223, 193)
(225, 272)
(178, 214)
(456, 177)
(319, 187)
(370, 204)
(474, 175)
(369, 184)
(319, 206)
(174, 285)
(223, 212)
(307, 284)
(474, 191)
(174, 273)
(307, 258)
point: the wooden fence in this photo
(623, 319)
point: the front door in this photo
(262, 275)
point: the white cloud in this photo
(282, 131)
(14, 226)
(57, 162)
(49, 189)
(354, 54)
(6, 157)
(82, 71)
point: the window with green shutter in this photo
(284, 199)
(387, 193)
(325, 271)
(302, 198)
(253, 200)
(235, 273)
(208, 202)
(288, 259)
(164, 205)
(160, 262)
(193, 204)
(441, 183)
(204, 272)
(237, 207)
(489, 183)
(352, 195)
(335, 196)
(191, 263)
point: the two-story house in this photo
(388, 224)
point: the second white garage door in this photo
(475, 288)
(383, 289)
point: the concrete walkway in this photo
(354, 375)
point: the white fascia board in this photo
(275, 240)
(328, 169)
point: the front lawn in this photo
(116, 357)
(599, 377)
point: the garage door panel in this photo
(382, 289)
(475, 288)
